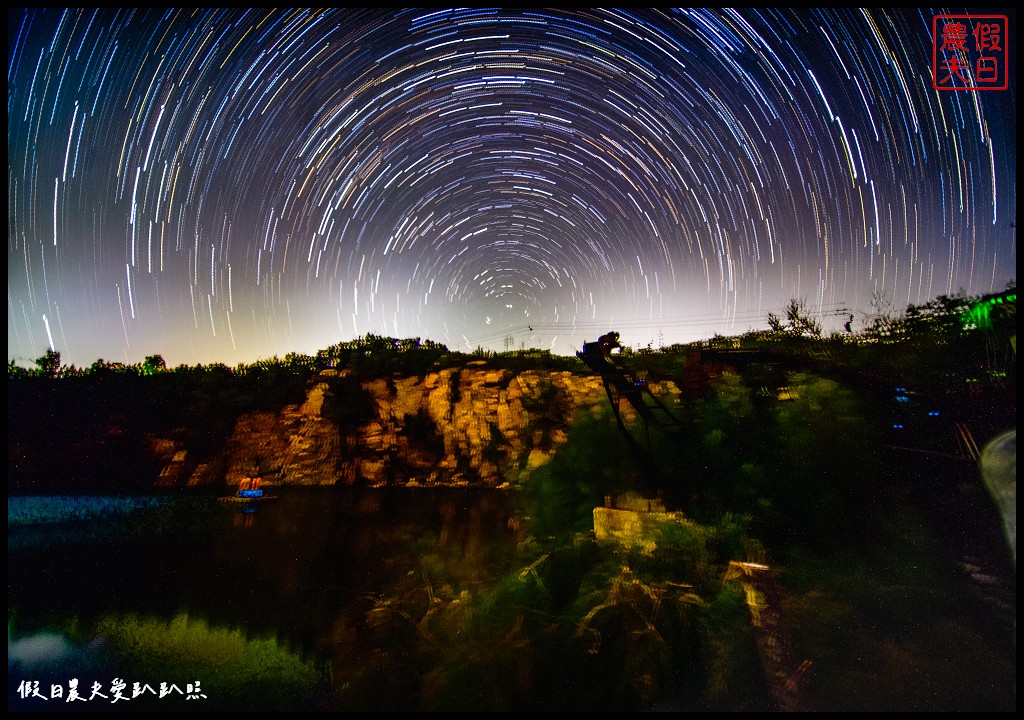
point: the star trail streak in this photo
(225, 185)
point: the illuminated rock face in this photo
(472, 425)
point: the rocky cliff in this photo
(473, 425)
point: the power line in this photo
(677, 322)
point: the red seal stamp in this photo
(970, 52)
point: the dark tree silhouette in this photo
(797, 320)
(49, 364)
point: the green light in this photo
(978, 315)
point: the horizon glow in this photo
(228, 185)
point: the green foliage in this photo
(554, 633)
(234, 672)
(16, 372)
(734, 680)
(693, 553)
(796, 465)
(154, 364)
(561, 494)
(637, 640)
(949, 341)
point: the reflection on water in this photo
(233, 597)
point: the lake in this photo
(249, 602)
(411, 599)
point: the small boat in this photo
(248, 492)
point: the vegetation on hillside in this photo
(950, 338)
(953, 345)
(784, 461)
(802, 482)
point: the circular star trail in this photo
(221, 185)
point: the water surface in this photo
(191, 585)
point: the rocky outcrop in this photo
(473, 425)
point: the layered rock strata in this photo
(474, 425)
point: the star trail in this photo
(226, 185)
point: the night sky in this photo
(221, 185)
